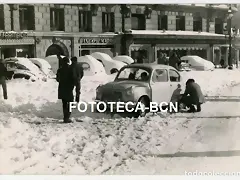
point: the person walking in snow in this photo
(174, 61)
(193, 96)
(3, 74)
(66, 81)
(78, 74)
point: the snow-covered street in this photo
(33, 141)
(204, 142)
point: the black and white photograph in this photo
(119, 89)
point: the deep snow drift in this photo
(33, 142)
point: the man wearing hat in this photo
(66, 81)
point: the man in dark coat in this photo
(161, 59)
(174, 61)
(193, 96)
(78, 74)
(66, 81)
(3, 74)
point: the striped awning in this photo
(179, 48)
(138, 47)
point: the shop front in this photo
(150, 45)
(88, 45)
(16, 44)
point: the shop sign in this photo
(96, 40)
(13, 35)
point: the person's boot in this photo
(67, 118)
(192, 109)
(199, 108)
(77, 99)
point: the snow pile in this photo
(213, 82)
(87, 147)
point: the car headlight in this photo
(129, 91)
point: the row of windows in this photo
(138, 21)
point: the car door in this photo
(160, 86)
(175, 80)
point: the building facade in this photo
(39, 30)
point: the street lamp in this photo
(126, 13)
(230, 15)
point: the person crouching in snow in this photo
(66, 81)
(193, 96)
(176, 96)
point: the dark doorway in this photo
(54, 49)
(8, 52)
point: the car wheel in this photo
(145, 103)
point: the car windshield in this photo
(134, 74)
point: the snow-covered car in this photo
(184, 66)
(111, 66)
(124, 59)
(44, 66)
(158, 85)
(53, 61)
(23, 74)
(91, 66)
(23, 68)
(198, 63)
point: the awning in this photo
(138, 47)
(180, 48)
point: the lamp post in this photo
(126, 13)
(230, 15)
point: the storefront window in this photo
(138, 22)
(57, 19)
(85, 21)
(162, 22)
(197, 24)
(84, 52)
(219, 26)
(26, 17)
(180, 23)
(108, 22)
(1, 18)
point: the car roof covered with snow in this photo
(105, 57)
(24, 61)
(124, 58)
(149, 66)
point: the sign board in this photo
(95, 41)
(16, 41)
(13, 35)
